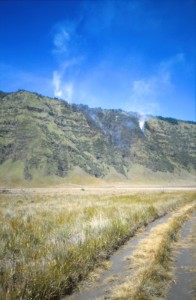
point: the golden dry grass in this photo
(49, 242)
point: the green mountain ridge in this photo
(48, 140)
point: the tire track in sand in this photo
(119, 270)
(184, 285)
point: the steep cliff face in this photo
(163, 144)
(48, 137)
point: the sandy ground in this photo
(110, 189)
(120, 268)
(184, 287)
(185, 267)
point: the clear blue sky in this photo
(137, 55)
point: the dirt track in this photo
(184, 285)
(120, 269)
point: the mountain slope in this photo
(41, 137)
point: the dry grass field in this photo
(51, 241)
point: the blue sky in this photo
(137, 55)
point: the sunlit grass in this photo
(48, 243)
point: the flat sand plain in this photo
(106, 189)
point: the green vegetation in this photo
(49, 242)
(48, 137)
(169, 120)
(174, 121)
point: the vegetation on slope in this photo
(49, 138)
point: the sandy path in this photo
(119, 270)
(185, 264)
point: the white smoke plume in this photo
(142, 120)
(56, 81)
(62, 90)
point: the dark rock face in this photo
(52, 137)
